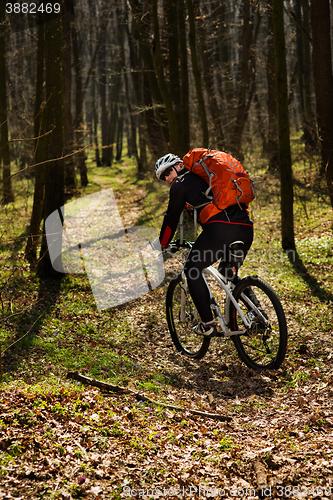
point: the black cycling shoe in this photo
(207, 330)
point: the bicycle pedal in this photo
(216, 335)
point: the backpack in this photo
(229, 184)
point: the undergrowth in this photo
(60, 327)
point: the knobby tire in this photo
(264, 345)
(182, 317)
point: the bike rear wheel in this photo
(182, 316)
(264, 344)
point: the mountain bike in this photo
(249, 313)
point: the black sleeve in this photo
(177, 201)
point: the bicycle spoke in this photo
(182, 317)
(264, 346)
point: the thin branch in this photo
(32, 138)
(6, 318)
(21, 132)
(16, 341)
(140, 397)
(49, 161)
(294, 18)
(27, 333)
(42, 107)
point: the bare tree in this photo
(39, 156)
(323, 81)
(286, 180)
(54, 170)
(191, 9)
(8, 195)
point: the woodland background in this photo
(88, 100)
(164, 76)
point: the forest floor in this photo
(62, 439)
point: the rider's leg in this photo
(212, 245)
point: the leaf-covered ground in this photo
(59, 439)
(73, 442)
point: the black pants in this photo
(232, 224)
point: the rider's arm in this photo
(176, 205)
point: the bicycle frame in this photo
(224, 320)
(227, 287)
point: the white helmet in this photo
(166, 161)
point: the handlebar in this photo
(174, 246)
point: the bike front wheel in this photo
(264, 344)
(182, 316)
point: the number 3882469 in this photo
(32, 8)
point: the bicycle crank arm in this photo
(228, 333)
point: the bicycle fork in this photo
(183, 301)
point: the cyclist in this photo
(219, 231)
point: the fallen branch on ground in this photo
(140, 397)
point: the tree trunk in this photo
(224, 38)
(81, 156)
(114, 100)
(173, 56)
(261, 125)
(304, 71)
(178, 70)
(147, 118)
(205, 22)
(39, 129)
(311, 139)
(323, 82)
(7, 196)
(243, 84)
(54, 171)
(184, 83)
(287, 197)
(70, 181)
(120, 131)
(141, 14)
(102, 87)
(173, 127)
(197, 74)
(132, 147)
(272, 139)
(154, 126)
(95, 122)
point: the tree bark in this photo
(39, 129)
(78, 122)
(286, 179)
(304, 71)
(243, 84)
(173, 127)
(205, 22)
(7, 196)
(323, 82)
(137, 87)
(184, 81)
(149, 122)
(70, 181)
(197, 74)
(224, 38)
(272, 139)
(95, 122)
(102, 87)
(54, 171)
(142, 14)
